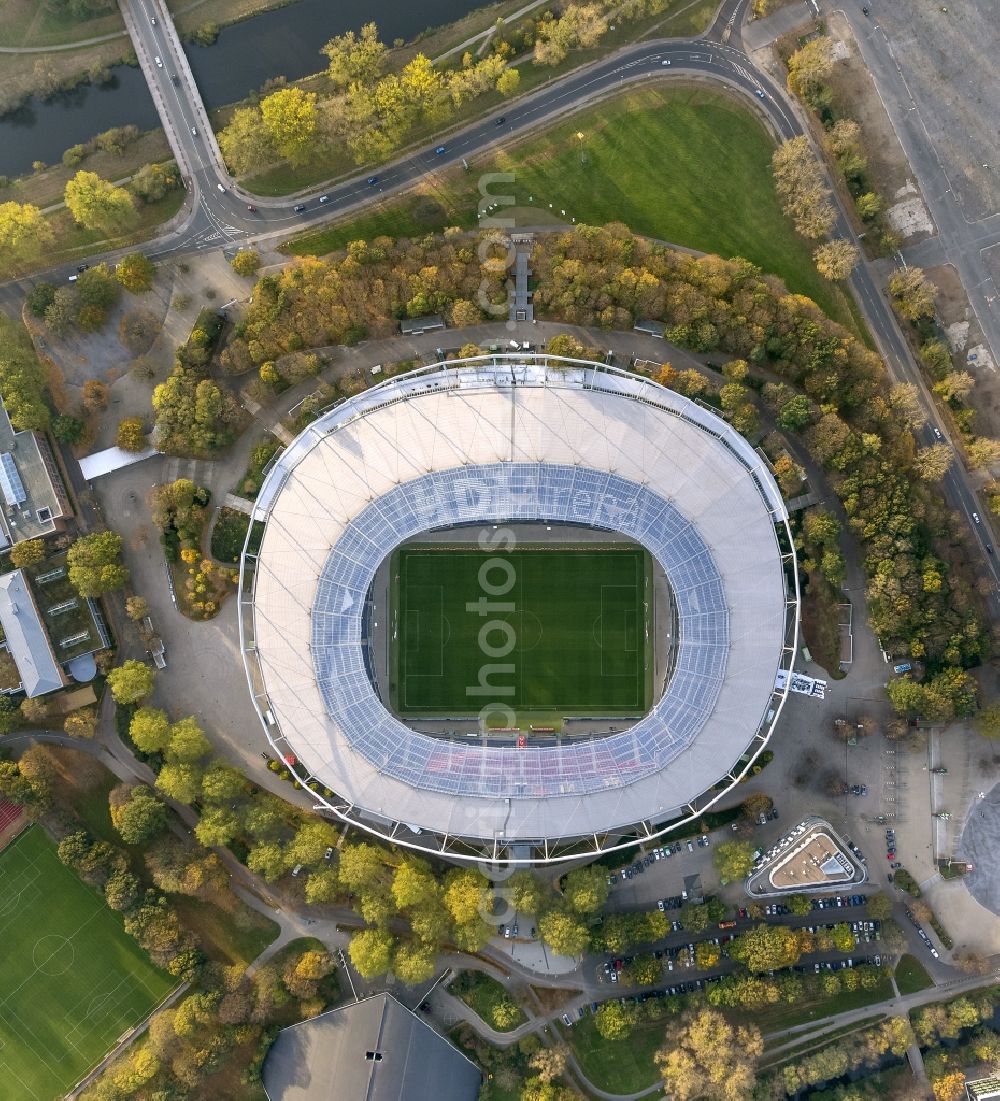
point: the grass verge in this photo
(488, 999)
(236, 937)
(680, 164)
(618, 1066)
(911, 975)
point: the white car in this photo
(159, 63)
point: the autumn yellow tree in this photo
(290, 121)
(804, 196)
(710, 1057)
(98, 204)
(911, 293)
(836, 259)
(808, 68)
(24, 232)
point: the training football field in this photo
(564, 631)
(73, 982)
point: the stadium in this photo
(518, 608)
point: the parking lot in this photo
(661, 873)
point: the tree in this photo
(564, 933)
(809, 67)
(188, 743)
(290, 120)
(508, 82)
(68, 429)
(135, 272)
(246, 262)
(98, 204)
(733, 860)
(216, 826)
(9, 712)
(932, 462)
(311, 841)
(911, 293)
(799, 905)
(586, 889)
(615, 1021)
(321, 886)
(371, 952)
(799, 183)
(28, 553)
(706, 954)
(710, 1057)
(121, 890)
(955, 386)
(355, 58)
(131, 682)
(131, 434)
(949, 1087)
(136, 813)
(267, 859)
(136, 608)
(836, 259)
(982, 452)
(972, 963)
(413, 962)
(150, 729)
(756, 804)
(152, 182)
(245, 143)
(25, 233)
(94, 563)
(768, 947)
(868, 206)
(81, 723)
(526, 892)
(222, 784)
(180, 780)
(361, 867)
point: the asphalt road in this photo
(218, 215)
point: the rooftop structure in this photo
(983, 1089)
(808, 857)
(25, 637)
(510, 438)
(410, 326)
(32, 497)
(374, 1050)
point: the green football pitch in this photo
(559, 631)
(73, 981)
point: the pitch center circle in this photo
(53, 955)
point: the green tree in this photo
(28, 553)
(153, 181)
(586, 889)
(222, 784)
(767, 947)
(135, 272)
(733, 860)
(180, 780)
(98, 204)
(412, 962)
(372, 952)
(706, 954)
(310, 843)
(150, 730)
(267, 859)
(527, 892)
(911, 293)
(131, 682)
(187, 742)
(94, 563)
(798, 905)
(615, 1021)
(362, 866)
(245, 143)
(321, 886)
(121, 889)
(467, 895)
(217, 826)
(24, 233)
(564, 933)
(136, 813)
(987, 720)
(355, 58)
(246, 262)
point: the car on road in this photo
(939, 771)
(759, 93)
(324, 198)
(299, 207)
(937, 432)
(975, 516)
(221, 188)
(440, 149)
(175, 80)
(82, 267)
(252, 209)
(372, 181)
(194, 130)
(159, 63)
(152, 20)
(500, 121)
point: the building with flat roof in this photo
(372, 1050)
(983, 1089)
(33, 499)
(25, 637)
(517, 438)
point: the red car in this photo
(890, 856)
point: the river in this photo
(282, 42)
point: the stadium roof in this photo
(374, 1050)
(504, 439)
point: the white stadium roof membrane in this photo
(515, 438)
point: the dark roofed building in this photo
(373, 1050)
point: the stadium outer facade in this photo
(517, 438)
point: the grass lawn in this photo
(911, 975)
(73, 980)
(774, 1018)
(618, 1066)
(485, 996)
(685, 165)
(575, 635)
(237, 937)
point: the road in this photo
(221, 215)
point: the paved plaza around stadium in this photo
(558, 629)
(73, 981)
